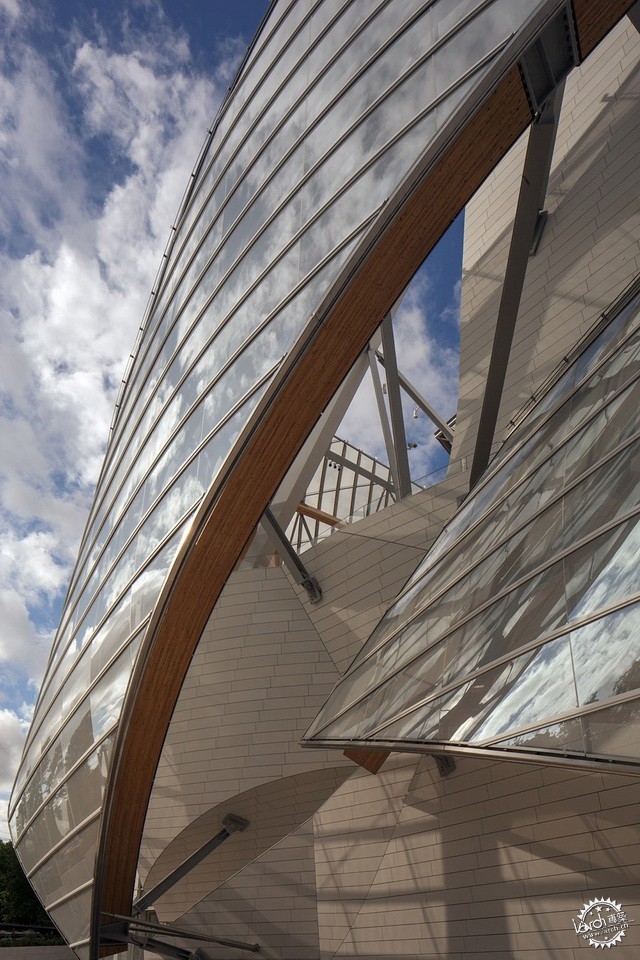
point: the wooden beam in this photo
(595, 18)
(341, 334)
(315, 514)
(369, 760)
(383, 273)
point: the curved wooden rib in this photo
(382, 274)
(386, 271)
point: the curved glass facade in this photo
(334, 105)
(520, 627)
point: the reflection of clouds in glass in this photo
(566, 735)
(326, 232)
(539, 687)
(123, 620)
(91, 721)
(74, 802)
(69, 868)
(335, 171)
(231, 200)
(393, 677)
(618, 578)
(606, 654)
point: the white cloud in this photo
(11, 8)
(427, 358)
(77, 262)
(13, 728)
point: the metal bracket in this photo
(144, 933)
(445, 764)
(443, 425)
(294, 564)
(538, 230)
(549, 59)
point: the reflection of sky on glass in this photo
(619, 578)
(591, 663)
(606, 654)
(543, 687)
(566, 735)
(276, 230)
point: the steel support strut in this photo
(418, 399)
(535, 176)
(395, 409)
(293, 562)
(230, 825)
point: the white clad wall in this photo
(267, 661)
(589, 248)
(492, 861)
(362, 566)
(258, 678)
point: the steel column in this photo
(535, 176)
(395, 409)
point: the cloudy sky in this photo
(103, 109)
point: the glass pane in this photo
(73, 803)
(617, 636)
(614, 731)
(565, 736)
(73, 916)
(69, 868)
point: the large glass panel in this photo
(69, 868)
(96, 714)
(400, 113)
(529, 518)
(564, 737)
(242, 375)
(349, 20)
(73, 803)
(613, 425)
(74, 915)
(123, 621)
(606, 655)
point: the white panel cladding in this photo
(589, 248)
(271, 902)
(258, 677)
(362, 566)
(267, 661)
(493, 861)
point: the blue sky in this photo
(103, 109)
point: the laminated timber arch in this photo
(404, 232)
